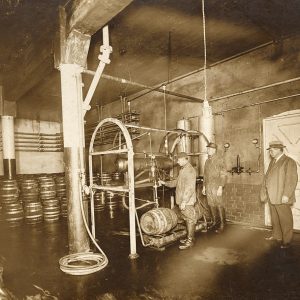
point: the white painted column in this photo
(73, 130)
(8, 144)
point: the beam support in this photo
(88, 16)
(73, 129)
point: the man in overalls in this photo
(213, 184)
(185, 185)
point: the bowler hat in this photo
(182, 155)
(212, 145)
(276, 144)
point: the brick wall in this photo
(242, 203)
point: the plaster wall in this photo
(37, 162)
(239, 126)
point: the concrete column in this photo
(8, 144)
(73, 130)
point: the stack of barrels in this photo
(31, 201)
(118, 180)
(51, 204)
(9, 198)
(61, 194)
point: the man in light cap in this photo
(278, 189)
(213, 184)
(185, 196)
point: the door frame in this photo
(265, 146)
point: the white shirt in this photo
(276, 160)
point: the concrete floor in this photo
(236, 265)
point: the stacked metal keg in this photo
(111, 200)
(51, 205)
(118, 180)
(61, 194)
(31, 201)
(9, 198)
(64, 207)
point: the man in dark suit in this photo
(278, 189)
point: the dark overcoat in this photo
(280, 180)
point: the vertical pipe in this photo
(8, 144)
(73, 129)
(206, 126)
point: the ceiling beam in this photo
(88, 16)
(83, 19)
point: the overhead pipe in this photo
(160, 89)
(255, 89)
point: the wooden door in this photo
(286, 128)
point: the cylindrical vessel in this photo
(8, 145)
(104, 178)
(141, 164)
(185, 143)
(117, 178)
(13, 214)
(51, 210)
(33, 212)
(9, 192)
(47, 188)
(158, 220)
(29, 190)
(207, 128)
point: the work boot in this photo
(213, 211)
(183, 241)
(190, 236)
(222, 219)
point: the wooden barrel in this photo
(9, 192)
(13, 214)
(51, 210)
(158, 220)
(60, 186)
(29, 190)
(47, 188)
(33, 212)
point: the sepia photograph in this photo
(149, 149)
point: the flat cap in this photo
(276, 144)
(212, 145)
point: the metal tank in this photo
(185, 143)
(206, 126)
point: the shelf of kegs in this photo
(33, 198)
(108, 200)
(50, 203)
(30, 196)
(12, 209)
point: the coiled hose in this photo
(84, 263)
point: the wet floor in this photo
(238, 264)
